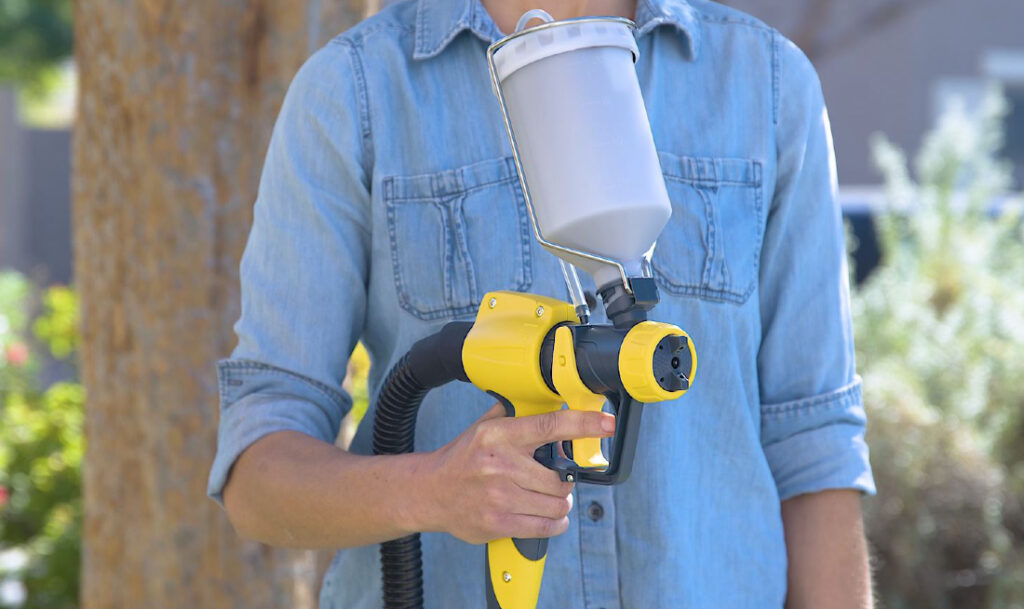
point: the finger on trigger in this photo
(563, 425)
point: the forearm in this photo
(291, 490)
(826, 550)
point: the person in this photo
(389, 204)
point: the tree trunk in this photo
(177, 100)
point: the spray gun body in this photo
(533, 355)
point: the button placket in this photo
(599, 562)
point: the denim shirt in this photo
(389, 205)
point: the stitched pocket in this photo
(455, 235)
(712, 244)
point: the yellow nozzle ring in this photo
(636, 357)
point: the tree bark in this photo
(177, 100)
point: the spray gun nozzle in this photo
(672, 363)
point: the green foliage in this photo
(58, 328)
(940, 339)
(41, 447)
(35, 36)
(14, 292)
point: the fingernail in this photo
(608, 423)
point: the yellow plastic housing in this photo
(637, 354)
(502, 351)
(520, 588)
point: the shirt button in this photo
(595, 511)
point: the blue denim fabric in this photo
(389, 205)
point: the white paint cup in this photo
(584, 141)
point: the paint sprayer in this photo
(590, 177)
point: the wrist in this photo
(418, 509)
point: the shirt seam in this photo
(733, 21)
(710, 182)
(579, 531)
(244, 367)
(363, 99)
(420, 28)
(364, 30)
(775, 79)
(455, 193)
(844, 396)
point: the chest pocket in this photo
(456, 235)
(712, 244)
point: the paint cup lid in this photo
(555, 37)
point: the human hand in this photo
(486, 485)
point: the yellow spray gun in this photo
(533, 354)
(582, 366)
(576, 122)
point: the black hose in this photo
(431, 362)
(394, 429)
(394, 425)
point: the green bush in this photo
(940, 340)
(35, 36)
(41, 449)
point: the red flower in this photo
(3, 496)
(16, 353)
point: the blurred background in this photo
(132, 290)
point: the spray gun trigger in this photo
(565, 376)
(550, 456)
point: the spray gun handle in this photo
(515, 568)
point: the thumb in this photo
(497, 411)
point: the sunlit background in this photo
(926, 99)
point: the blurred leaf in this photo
(57, 327)
(35, 37)
(355, 382)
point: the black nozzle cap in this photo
(672, 363)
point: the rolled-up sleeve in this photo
(304, 270)
(258, 399)
(812, 417)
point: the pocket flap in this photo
(709, 172)
(711, 246)
(455, 235)
(452, 182)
